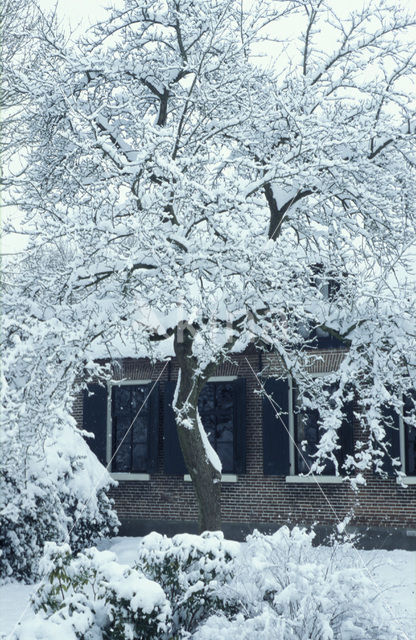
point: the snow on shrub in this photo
(174, 586)
(62, 497)
(27, 519)
(276, 587)
(40, 512)
(92, 596)
(192, 570)
(52, 487)
(290, 590)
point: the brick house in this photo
(262, 483)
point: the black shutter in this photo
(95, 419)
(275, 436)
(239, 407)
(153, 439)
(172, 454)
(346, 434)
(392, 427)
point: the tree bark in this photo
(206, 479)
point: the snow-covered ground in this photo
(394, 573)
(14, 599)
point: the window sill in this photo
(227, 477)
(130, 476)
(314, 479)
(406, 480)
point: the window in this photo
(306, 434)
(108, 413)
(401, 438)
(301, 426)
(410, 450)
(129, 453)
(221, 406)
(408, 437)
(130, 404)
(216, 408)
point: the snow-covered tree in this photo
(17, 21)
(51, 486)
(201, 171)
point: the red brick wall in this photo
(256, 498)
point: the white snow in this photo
(395, 573)
(210, 452)
(124, 548)
(14, 601)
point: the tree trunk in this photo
(206, 479)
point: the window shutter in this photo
(95, 419)
(275, 437)
(239, 406)
(173, 459)
(392, 426)
(346, 434)
(153, 429)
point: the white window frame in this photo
(226, 477)
(116, 475)
(293, 478)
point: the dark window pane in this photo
(122, 460)
(225, 431)
(225, 414)
(411, 450)
(140, 429)
(139, 458)
(121, 425)
(329, 468)
(224, 397)
(206, 400)
(138, 396)
(226, 454)
(121, 401)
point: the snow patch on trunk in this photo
(211, 454)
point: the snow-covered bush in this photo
(93, 596)
(29, 515)
(62, 497)
(52, 487)
(102, 522)
(290, 590)
(175, 585)
(192, 570)
(276, 587)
